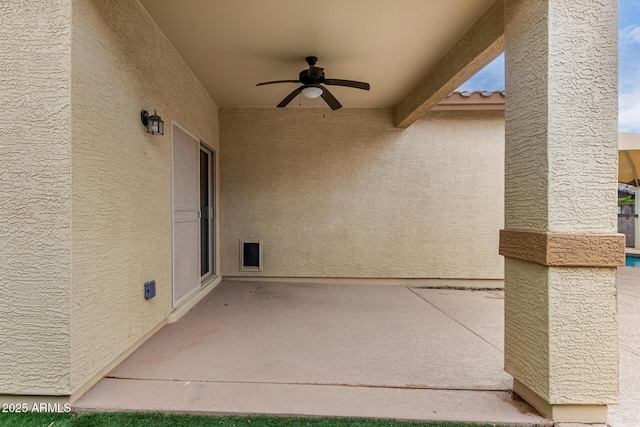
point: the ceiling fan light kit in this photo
(312, 81)
(312, 91)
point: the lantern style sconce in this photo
(154, 124)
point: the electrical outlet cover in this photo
(150, 289)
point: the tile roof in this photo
(478, 100)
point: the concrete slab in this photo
(318, 334)
(629, 281)
(331, 350)
(627, 412)
(311, 400)
(578, 425)
(481, 312)
(629, 323)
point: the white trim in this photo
(182, 128)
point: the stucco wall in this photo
(560, 322)
(35, 197)
(346, 194)
(122, 63)
(548, 143)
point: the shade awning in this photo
(628, 157)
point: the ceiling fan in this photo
(312, 80)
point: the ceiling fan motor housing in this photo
(313, 75)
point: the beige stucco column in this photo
(560, 243)
(35, 199)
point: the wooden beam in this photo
(479, 46)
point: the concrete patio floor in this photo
(344, 350)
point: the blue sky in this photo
(491, 77)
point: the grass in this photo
(124, 419)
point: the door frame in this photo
(212, 273)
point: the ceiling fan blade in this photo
(330, 99)
(278, 81)
(348, 83)
(290, 97)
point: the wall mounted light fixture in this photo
(154, 124)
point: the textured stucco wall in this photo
(527, 336)
(583, 117)
(561, 154)
(583, 342)
(526, 200)
(35, 197)
(558, 348)
(121, 63)
(348, 195)
(561, 149)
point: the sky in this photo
(491, 77)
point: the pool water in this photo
(632, 261)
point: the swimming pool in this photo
(632, 261)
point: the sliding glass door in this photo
(207, 209)
(193, 214)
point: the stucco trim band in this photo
(563, 249)
(590, 414)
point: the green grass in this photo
(124, 419)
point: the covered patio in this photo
(114, 229)
(400, 352)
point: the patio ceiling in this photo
(231, 45)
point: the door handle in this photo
(208, 212)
